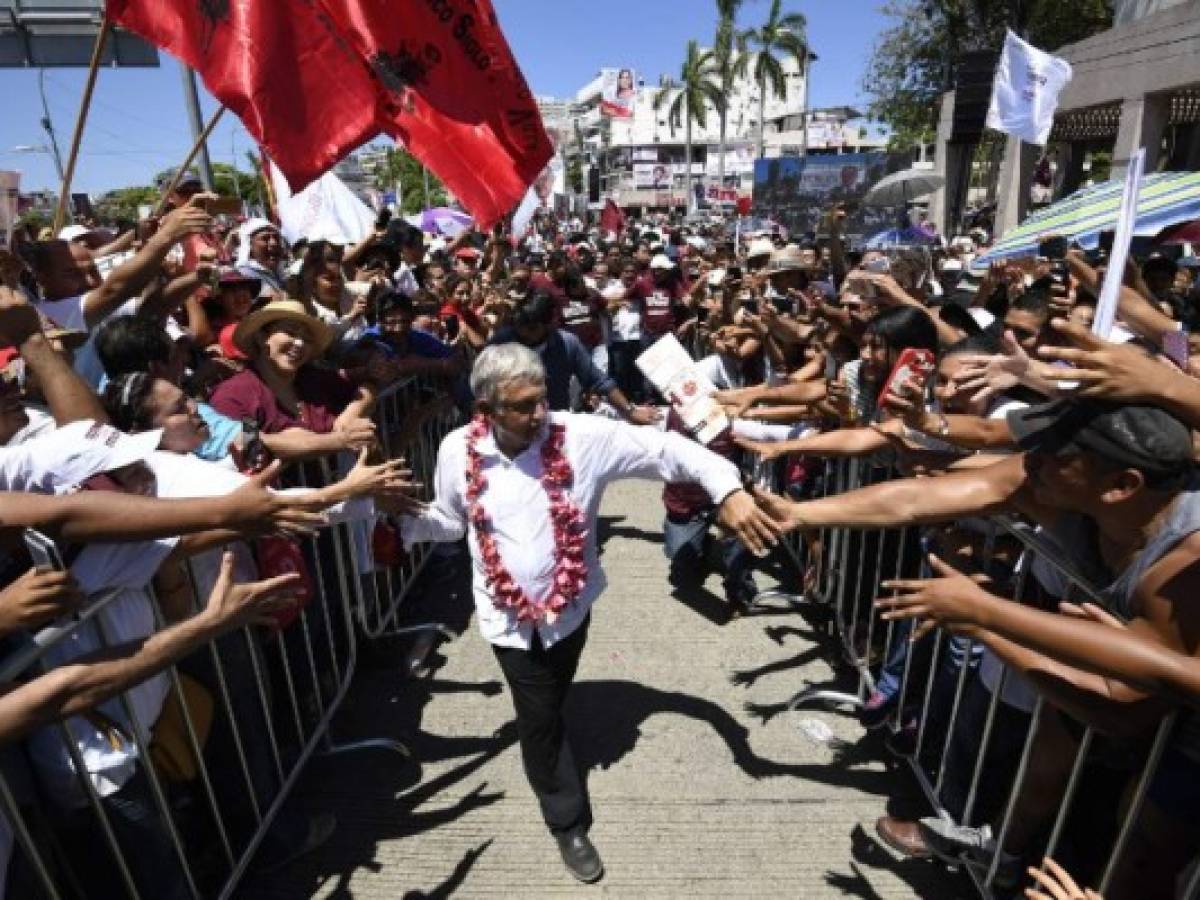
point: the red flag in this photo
(612, 218)
(456, 98)
(299, 89)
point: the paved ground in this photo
(695, 795)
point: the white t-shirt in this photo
(68, 313)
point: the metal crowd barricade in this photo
(274, 696)
(934, 676)
(408, 428)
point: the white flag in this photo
(326, 210)
(1025, 91)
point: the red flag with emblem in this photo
(456, 98)
(299, 89)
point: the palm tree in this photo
(688, 100)
(727, 48)
(780, 38)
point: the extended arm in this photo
(88, 681)
(917, 501)
(128, 279)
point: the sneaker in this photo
(950, 842)
(875, 712)
(580, 856)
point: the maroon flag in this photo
(299, 89)
(456, 98)
(612, 218)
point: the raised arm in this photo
(69, 397)
(88, 681)
(128, 279)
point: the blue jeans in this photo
(683, 543)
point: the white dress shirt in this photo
(600, 451)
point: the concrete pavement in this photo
(694, 794)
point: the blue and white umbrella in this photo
(899, 237)
(441, 220)
(1166, 198)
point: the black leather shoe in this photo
(580, 856)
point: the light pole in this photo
(48, 125)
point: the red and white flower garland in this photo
(570, 531)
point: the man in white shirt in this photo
(512, 496)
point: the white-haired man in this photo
(525, 485)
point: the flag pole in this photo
(60, 213)
(187, 160)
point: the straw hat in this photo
(760, 247)
(277, 311)
(787, 259)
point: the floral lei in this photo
(570, 533)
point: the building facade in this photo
(631, 152)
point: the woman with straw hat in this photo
(310, 410)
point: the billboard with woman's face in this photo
(618, 92)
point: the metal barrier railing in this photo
(933, 717)
(272, 698)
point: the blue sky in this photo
(138, 126)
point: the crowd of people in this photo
(170, 391)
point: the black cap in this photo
(1145, 438)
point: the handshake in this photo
(757, 518)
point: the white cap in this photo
(661, 261)
(71, 232)
(760, 247)
(716, 277)
(74, 453)
(982, 317)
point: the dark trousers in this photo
(539, 680)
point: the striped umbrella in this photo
(1166, 198)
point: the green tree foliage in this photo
(122, 204)
(402, 168)
(912, 62)
(688, 102)
(782, 36)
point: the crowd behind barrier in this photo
(340, 360)
(266, 696)
(929, 722)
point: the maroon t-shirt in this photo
(581, 317)
(658, 305)
(686, 499)
(542, 282)
(323, 395)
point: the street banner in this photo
(618, 93)
(1025, 91)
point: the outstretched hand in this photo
(988, 375)
(233, 605)
(753, 526)
(950, 598)
(766, 450)
(1103, 370)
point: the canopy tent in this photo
(1166, 198)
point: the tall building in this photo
(639, 154)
